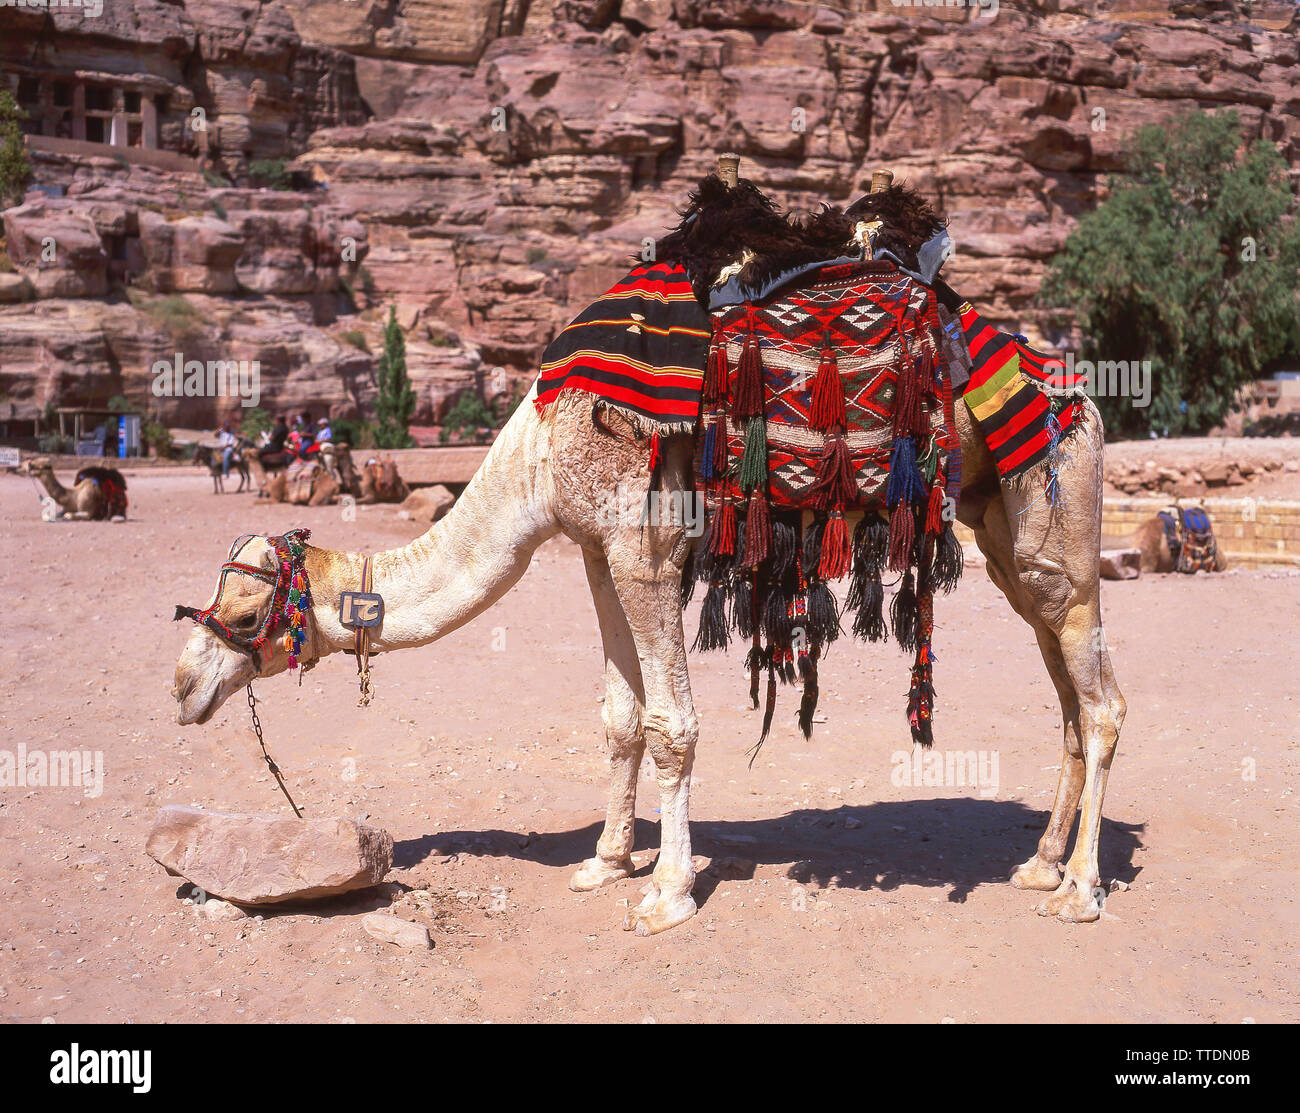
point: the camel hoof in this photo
(1073, 903)
(1037, 874)
(595, 873)
(665, 912)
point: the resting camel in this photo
(555, 473)
(97, 495)
(1150, 540)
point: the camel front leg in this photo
(624, 699)
(650, 593)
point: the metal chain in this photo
(270, 762)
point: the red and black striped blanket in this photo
(640, 347)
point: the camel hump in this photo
(102, 475)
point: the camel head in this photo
(254, 624)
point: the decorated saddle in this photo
(826, 448)
(1190, 536)
(110, 481)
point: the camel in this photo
(313, 486)
(380, 482)
(1150, 540)
(559, 473)
(98, 494)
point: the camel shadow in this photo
(956, 844)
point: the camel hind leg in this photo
(1044, 557)
(624, 736)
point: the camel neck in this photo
(463, 564)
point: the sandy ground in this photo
(830, 892)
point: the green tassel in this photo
(930, 462)
(753, 467)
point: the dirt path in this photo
(831, 892)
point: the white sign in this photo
(8, 457)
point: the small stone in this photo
(392, 929)
(223, 911)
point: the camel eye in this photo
(248, 622)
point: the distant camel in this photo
(98, 494)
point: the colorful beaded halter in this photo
(286, 618)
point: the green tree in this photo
(1191, 263)
(15, 170)
(256, 422)
(396, 402)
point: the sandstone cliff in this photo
(488, 166)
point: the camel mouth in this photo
(186, 716)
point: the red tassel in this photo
(720, 445)
(907, 403)
(654, 453)
(933, 510)
(716, 371)
(747, 400)
(902, 532)
(828, 393)
(835, 484)
(837, 555)
(758, 531)
(722, 541)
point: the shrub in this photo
(1191, 262)
(270, 173)
(256, 422)
(15, 169)
(158, 437)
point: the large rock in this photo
(57, 249)
(428, 504)
(259, 859)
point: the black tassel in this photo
(788, 675)
(754, 663)
(784, 544)
(808, 704)
(869, 619)
(688, 578)
(712, 633)
(823, 616)
(742, 607)
(903, 613)
(948, 560)
(776, 616)
(812, 546)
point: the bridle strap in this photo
(361, 640)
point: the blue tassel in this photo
(706, 453)
(1053, 457)
(905, 483)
